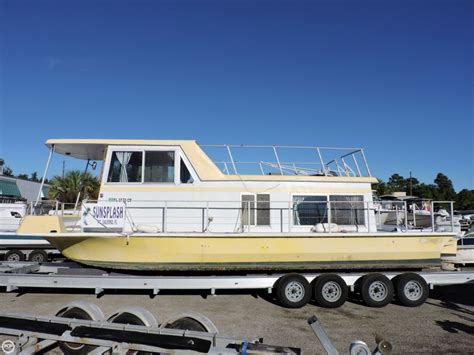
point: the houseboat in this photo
(174, 205)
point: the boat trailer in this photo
(81, 328)
(330, 290)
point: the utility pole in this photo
(64, 167)
(411, 186)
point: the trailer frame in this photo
(70, 275)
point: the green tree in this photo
(34, 177)
(22, 176)
(65, 189)
(424, 190)
(396, 182)
(445, 190)
(465, 200)
(413, 183)
(7, 171)
(380, 187)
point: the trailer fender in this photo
(90, 308)
(140, 314)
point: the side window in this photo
(468, 241)
(185, 175)
(248, 210)
(125, 167)
(260, 215)
(347, 210)
(309, 210)
(263, 210)
(159, 166)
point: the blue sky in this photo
(394, 77)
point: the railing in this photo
(55, 207)
(281, 217)
(287, 160)
(235, 216)
(409, 216)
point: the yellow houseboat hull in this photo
(236, 251)
(255, 252)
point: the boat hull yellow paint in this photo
(254, 252)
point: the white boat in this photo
(465, 254)
(414, 213)
(11, 214)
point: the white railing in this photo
(281, 217)
(410, 216)
(44, 207)
(289, 160)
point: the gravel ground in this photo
(444, 324)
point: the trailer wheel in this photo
(376, 290)
(190, 321)
(412, 290)
(75, 348)
(330, 290)
(38, 256)
(187, 323)
(79, 310)
(293, 291)
(14, 256)
(133, 316)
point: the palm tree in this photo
(65, 189)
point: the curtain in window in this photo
(347, 210)
(123, 158)
(309, 210)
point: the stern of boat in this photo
(41, 224)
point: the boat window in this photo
(259, 216)
(125, 167)
(347, 210)
(309, 210)
(263, 210)
(159, 166)
(184, 174)
(248, 209)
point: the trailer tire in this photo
(127, 318)
(75, 348)
(411, 289)
(293, 291)
(14, 255)
(376, 290)
(190, 321)
(330, 291)
(133, 316)
(38, 256)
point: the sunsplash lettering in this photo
(107, 212)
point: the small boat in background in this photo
(398, 211)
(11, 214)
(465, 254)
(16, 247)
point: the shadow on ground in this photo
(455, 327)
(456, 298)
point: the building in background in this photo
(14, 189)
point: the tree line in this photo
(33, 177)
(440, 190)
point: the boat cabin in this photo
(175, 186)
